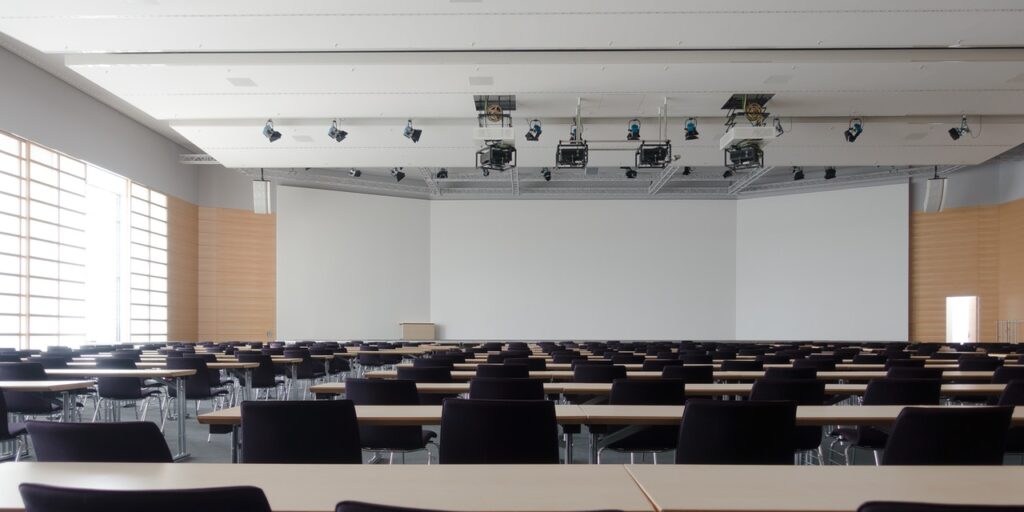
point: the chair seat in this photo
(866, 437)
(15, 429)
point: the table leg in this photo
(568, 448)
(67, 406)
(234, 444)
(247, 395)
(295, 379)
(327, 370)
(593, 448)
(181, 402)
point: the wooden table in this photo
(64, 387)
(179, 377)
(716, 389)
(718, 375)
(696, 488)
(318, 488)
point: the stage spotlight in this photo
(830, 173)
(798, 173)
(687, 170)
(631, 173)
(535, 130)
(651, 155)
(336, 134)
(633, 130)
(691, 129)
(778, 127)
(355, 173)
(486, 172)
(398, 174)
(269, 132)
(729, 173)
(546, 173)
(956, 133)
(442, 174)
(411, 133)
(571, 155)
(855, 129)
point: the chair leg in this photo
(96, 412)
(878, 457)
(821, 456)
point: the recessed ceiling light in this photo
(241, 81)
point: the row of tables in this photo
(552, 488)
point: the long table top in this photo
(686, 488)
(716, 389)
(101, 372)
(719, 375)
(547, 488)
(810, 415)
(45, 385)
(317, 488)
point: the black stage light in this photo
(496, 156)
(398, 174)
(854, 131)
(336, 134)
(729, 173)
(687, 170)
(411, 133)
(798, 173)
(830, 173)
(651, 155)
(546, 173)
(442, 174)
(744, 156)
(571, 155)
(633, 130)
(355, 173)
(690, 127)
(535, 130)
(269, 132)
(956, 133)
(631, 174)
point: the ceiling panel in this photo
(265, 25)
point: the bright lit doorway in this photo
(962, 319)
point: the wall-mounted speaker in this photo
(261, 196)
(935, 195)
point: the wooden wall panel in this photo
(182, 270)
(1011, 260)
(237, 275)
(955, 252)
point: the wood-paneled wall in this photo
(966, 251)
(182, 270)
(237, 275)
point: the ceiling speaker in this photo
(935, 195)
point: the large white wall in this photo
(350, 266)
(583, 269)
(824, 266)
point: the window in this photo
(70, 231)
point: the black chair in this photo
(819, 365)
(868, 359)
(657, 365)
(598, 373)
(264, 376)
(790, 373)
(699, 374)
(534, 364)
(803, 392)
(506, 389)
(972, 363)
(388, 439)
(727, 432)
(905, 506)
(11, 432)
(23, 403)
(627, 359)
(139, 441)
(46, 498)
(198, 387)
(742, 365)
(427, 375)
(512, 371)
(433, 362)
(300, 432)
(498, 432)
(652, 439)
(1013, 395)
(885, 392)
(960, 436)
(909, 372)
(904, 363)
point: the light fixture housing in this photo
(335, 133)
(442, 174)
(798, 173)
(355, 173)
(269, 132)
(411, 133)
(546, 173)
(687, 170)
(633, 130)
(964, 129)
(631, 173)
(572, 155)
(398, 174)
(747, 155)
(854, 131)
(653, 155)
(830, 173)
(533, 134)
(496, 156)
(690, 129)
(729, 173)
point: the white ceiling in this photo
(214, 72)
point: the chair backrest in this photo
(300, 432)
(138, 441)
(741, 365)
(973, 363)
(906, 506)
(512, 371)
(599, 373)
(198, 385)
(1005, 374)
(262, 375)
(697, 359)
(821, 365)
(869, 359)
(790, 373)
(360, 506)
(425, 374)
(46, 498)
(506, 389)
(26, 402)
(1013, 393)
(647, 392)
(779, 358)
(533, 363)
(904, 363)
(747, 432)
(907, 372)
(699, 374)
(956, 436)
(801, 391)
(498, 432)
(382, 391)
(660, 364)
(433, 363)
(110, 363)
(627, 359)
(902, 392)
